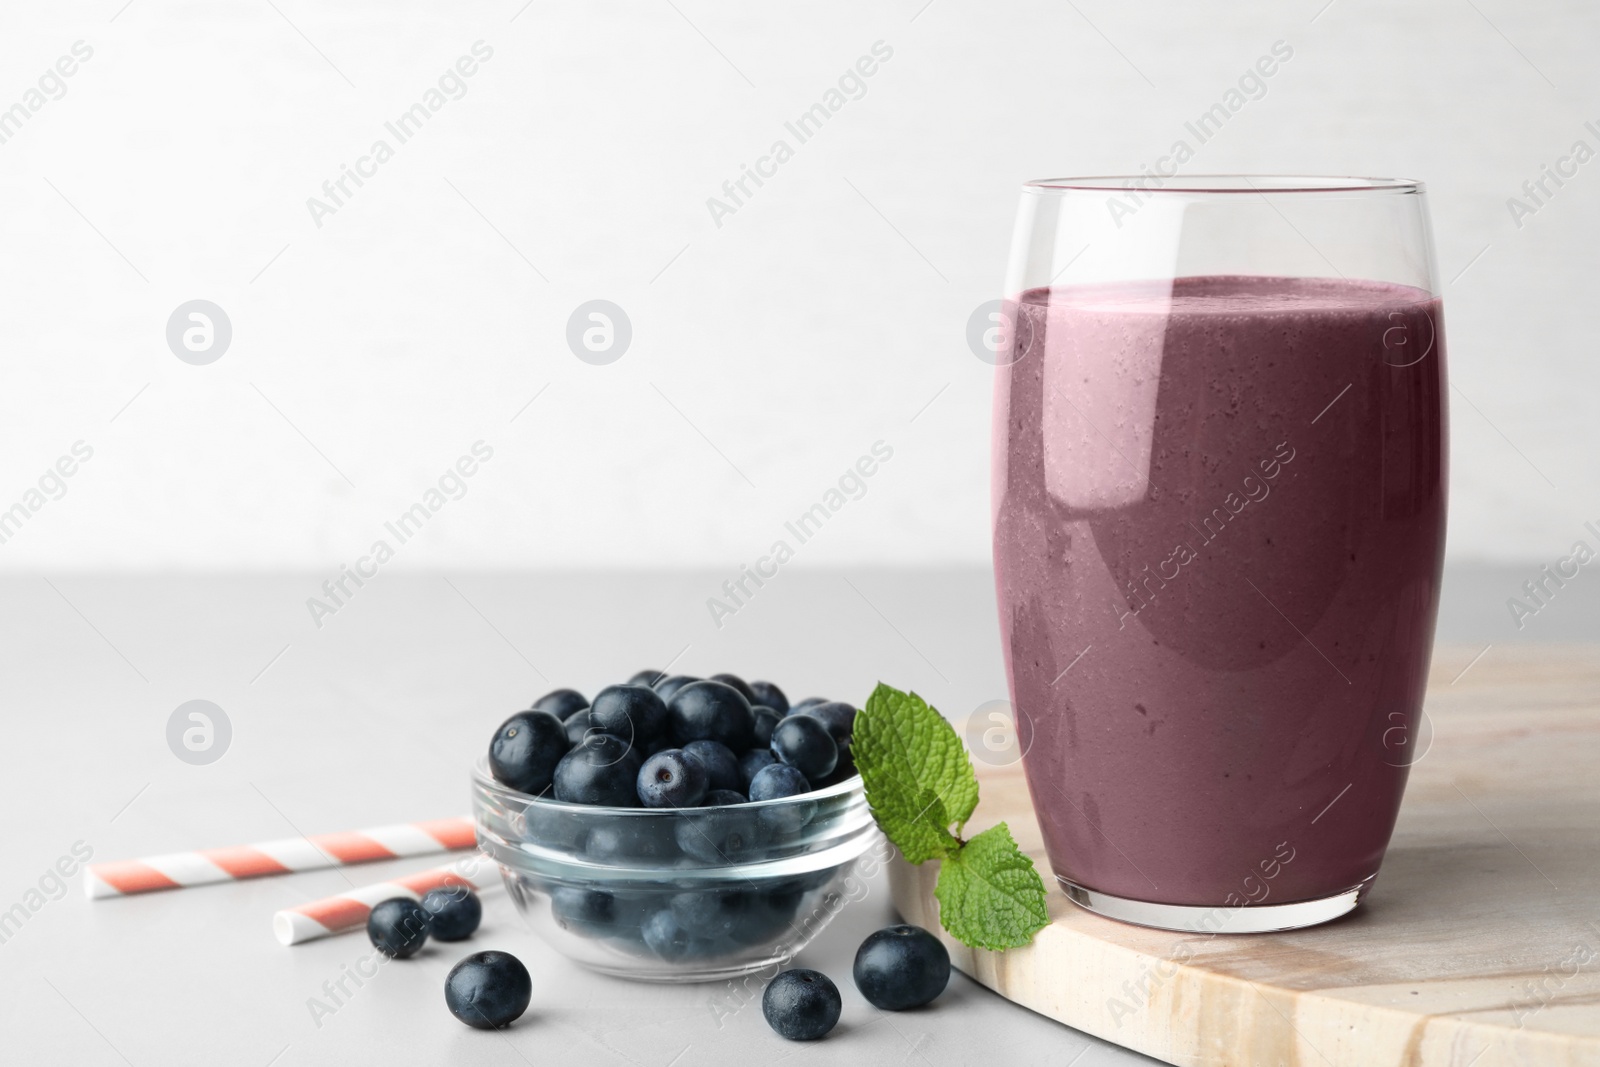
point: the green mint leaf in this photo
(918, 781)
(914, 820)
(989, 894)
(902, 748)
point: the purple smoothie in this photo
(1230, 491)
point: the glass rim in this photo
(1224, 184)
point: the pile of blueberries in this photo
(674, 742)
(711, 747)
(487, 990)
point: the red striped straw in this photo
(182, 869)
(349, 911)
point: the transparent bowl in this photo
(662, 894)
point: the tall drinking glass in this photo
(1219, 517)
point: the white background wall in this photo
(824, 315)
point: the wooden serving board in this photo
(1479, 946)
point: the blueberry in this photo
(670, 685)
(901, 967)
(769, 914)
(629, 839)
(634, 713)
(738, 683)
(803, 743)
(721, 797)
(837, 716)
(526, 749)
(398, 927)
(844, 770)
(587, 912)
(578, 727)
(808, 702)
(488, 990)
(770, 696)
(649, 678)
(666, 936)
(673, 779)
(601, 770)
(454, 912)
(777, 781)
(628, 911)
(562, 703)
(719, 835)
(710, 913)
(765, 719)
(801, 1004)
(711, 711)
(551, 827)
(750, 765)
(719, 762)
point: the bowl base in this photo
(710, 974)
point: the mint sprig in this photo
(989, 894)
(919, 782)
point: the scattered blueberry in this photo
(801, 1004)
(769, 695)
(901, 967)
(669, 686)
(837, 716)
(454, 912)
(562, 703)
(649, 678)
(750, 765)
(721, 765)
(601, 770)
(711, 711)
(398, 927)
(526, 749)
(803, 743)
(635, 713)
(673, 778)
(738, 683)
(765, 719)
(719, 797)
(488, 990)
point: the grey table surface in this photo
(374, 717)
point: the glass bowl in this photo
(666, 894)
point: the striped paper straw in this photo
(349, 911)
(181, 869)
